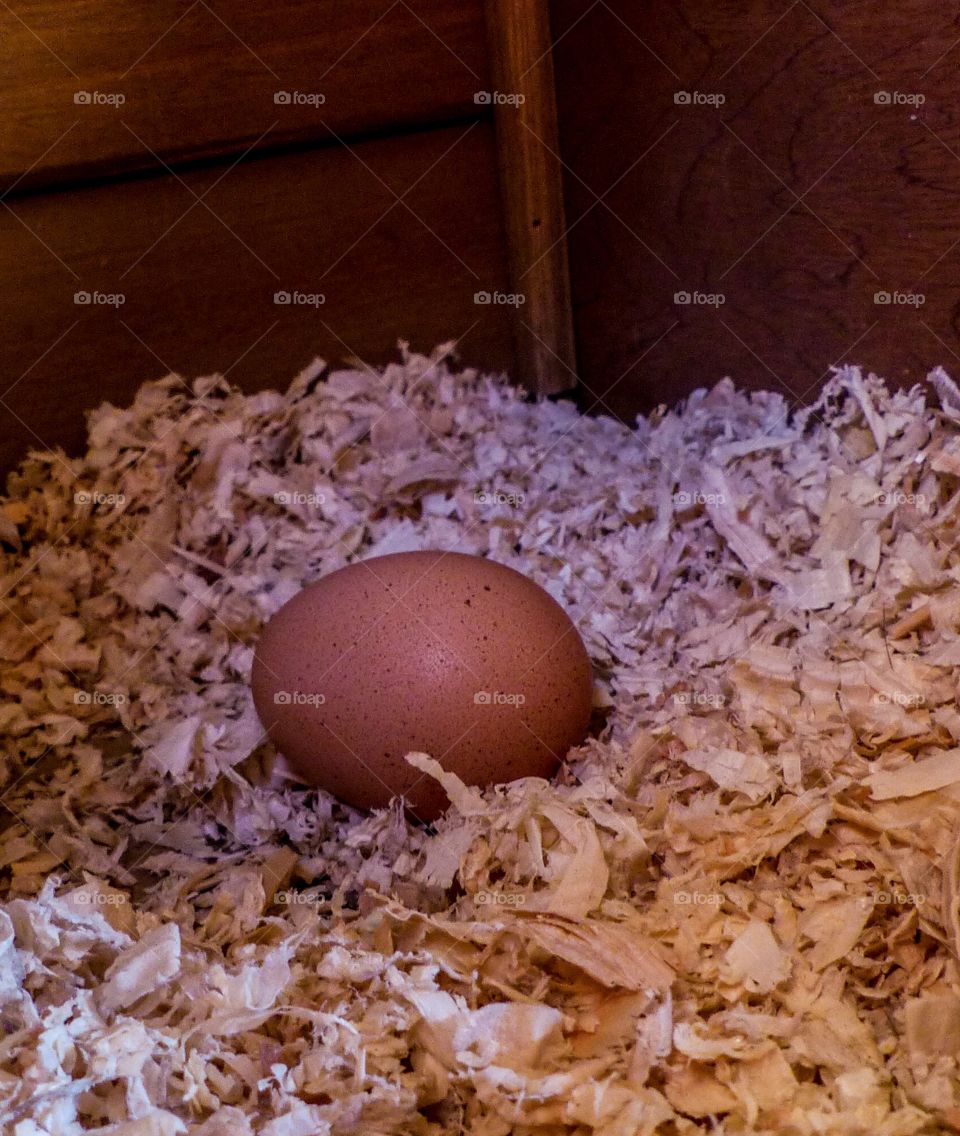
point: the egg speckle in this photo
(436, 652)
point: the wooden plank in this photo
(703, 197)
(199, 279)
(530, 178)
(200, 79)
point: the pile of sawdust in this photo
(736, 910)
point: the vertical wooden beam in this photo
(530, 178)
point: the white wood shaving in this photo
(737, 907)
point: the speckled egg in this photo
(451, 655)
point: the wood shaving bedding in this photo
(736, 909)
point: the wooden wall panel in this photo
(830, 172)
(199, 278)
(199, 78)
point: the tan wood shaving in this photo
(735, 909)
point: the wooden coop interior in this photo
(597, 159)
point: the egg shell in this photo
(438, 652)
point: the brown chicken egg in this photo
(437, 652)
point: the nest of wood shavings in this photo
(736, 909)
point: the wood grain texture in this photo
(798, 198)
(397, 235)
(532, 188)
(200, 78)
